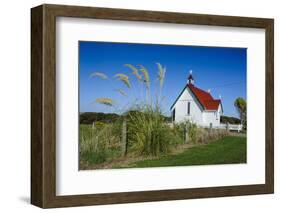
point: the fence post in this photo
(239, 127)
(227, 126)
(93, 125)
(124, 138)
(185, 133)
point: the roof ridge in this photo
(201, 90)
(198, 88)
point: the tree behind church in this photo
(241, 107)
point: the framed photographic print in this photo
(137, 106)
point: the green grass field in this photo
(230, 149)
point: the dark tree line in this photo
(90, 117)
(231, 120)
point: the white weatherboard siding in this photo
(209, 118)
(212, 117)
(181, 108)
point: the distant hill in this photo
(231, 120)
(90, 117)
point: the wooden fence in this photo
(229, 127)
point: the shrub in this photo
(198, 134)
(191, 129)
(177, 132)
(207, 135)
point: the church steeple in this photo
(190, 78)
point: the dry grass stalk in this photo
(124, 78)
(121, 92)
(161, 74)
(99, 75)
(105, 101)
(135, 71)
(145, 74)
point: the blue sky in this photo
(220, 69)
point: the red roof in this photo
(205, 98)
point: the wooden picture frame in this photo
(43, 105)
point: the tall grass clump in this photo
(148, 134)
(192, 130)
(96, 142)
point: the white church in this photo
(196, 105)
